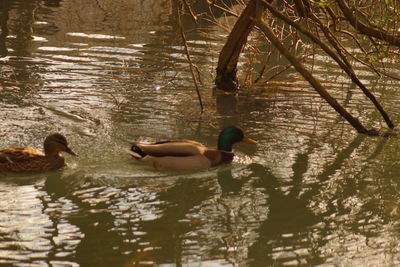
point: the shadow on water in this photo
(91, 211)
(113, 232)
(291, 218)
(16, 40)
(166, 234)
(4, 9)
(293, 223)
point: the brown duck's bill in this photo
(249, 140)
(69, 151)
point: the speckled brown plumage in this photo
(28, 159)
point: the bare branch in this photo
(191, 65)
(315, 83)
(342, 61)
(364, 29)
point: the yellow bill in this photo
(249, 140)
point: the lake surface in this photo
(313, 192)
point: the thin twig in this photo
(190, 11)
(191, 65)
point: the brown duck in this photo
(28, 159)
(188, 154)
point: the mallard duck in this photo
(28, 159)
(188, 154)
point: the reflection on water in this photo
(312, 192)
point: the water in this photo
(312, 192)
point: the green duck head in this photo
(231, 135)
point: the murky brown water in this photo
(312, 192)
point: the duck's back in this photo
(27, 159)
(19, 154)
(179, 148)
